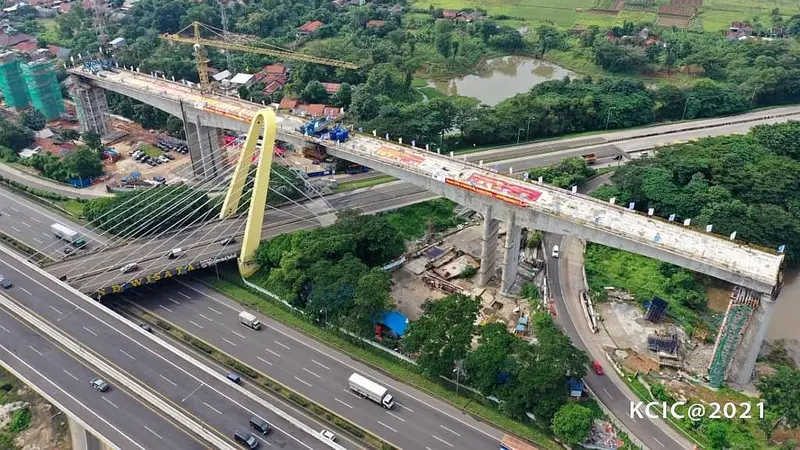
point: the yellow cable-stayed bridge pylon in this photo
(263, 124)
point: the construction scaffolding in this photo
(11, 83)
(656, 310)
(92, 108)
(43, 88)
(743, 303)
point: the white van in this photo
(175, 253)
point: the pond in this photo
(500, 78)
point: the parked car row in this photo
(142, 157)
(168, 146)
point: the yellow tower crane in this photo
(200, 42)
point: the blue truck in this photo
(339, 134)
(314, 127)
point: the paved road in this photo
(204, 395)
(637, 139)
(565, 279)
(116, 414)
(49, 185)
(89, 272)
(318, 372)
(28, 222)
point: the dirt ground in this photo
(48, 429)
(410, 292)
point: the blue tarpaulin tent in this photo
(396, 321)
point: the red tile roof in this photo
(272, 87)
(64, 8)
(449, 13)
(315, 109)
(25, 47)
(287, 103)
(375, 23)
(310, 27)
(275, 68)
(331, 87)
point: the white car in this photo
(327, 435)
(555, 251)
(129, 268)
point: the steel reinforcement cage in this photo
(43, 88)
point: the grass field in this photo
(714, 14)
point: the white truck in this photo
(249, 320)
(371, 390)
(68, 234)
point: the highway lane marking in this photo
(37, 351)
(387, 426)
(240, 335)
(195, 324)
(164, 307)
(35, 219)
(345, 404)
(16, 229)
(395, 416)
(448, 429)
(112, 329)
(168, 380)
(26, 291)
(659, 442)
(321, 365)
(441, 440)
(263, 440)
(204, 317)
(133, 291)
(65, 315)
(38, 240)
(283, 345)
(55, 309)
(214, 310)
(110, 402)
(154, 433)
(45, 234)
(90, 331)
(70, 396)
(304, 382)
(229, 342)
(404, 407)
(264, 361)
(174, 301)
(26, 224)
(192, 393)
(71, 375)
(5, 329)
(274, 353)
(312, 373)
(12, 208)
(127, 354)
(212, 408)
(607, 393)
(184, 295)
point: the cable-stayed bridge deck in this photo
(535, 206)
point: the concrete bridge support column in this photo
(92, 108)
(205, 149)
(744, 360)
(82, 439)
(511, 255)
(488, 247)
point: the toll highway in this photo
(417, 421)
(115, 414)
(188, 386)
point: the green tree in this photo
(342, 97)
(314, 92)
(443, 334)
(83, 163)
(485, 363)
(33, 119)
(364, 105)
(619, 58)
(781, 391)
(572, 423)
(13, 136)
(548, 37)
(717, 433)
(565, 173)
(371, 299)
(443, 39)
(92, 140)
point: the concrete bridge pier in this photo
(744, 360)
(82, 439)
(511, 253)
(488, 247)
(91, 106)
(205, 149)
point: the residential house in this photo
(375, 23)
(274, 77)
(309, 27)
(26, 47)
(331, 87)
(739, 31)
(293, 106)
(242, 79)
(450, 13)
(9, 38)
(59, 52)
